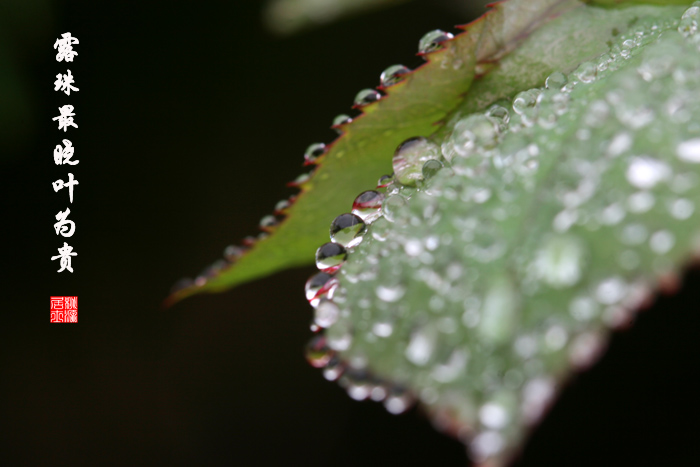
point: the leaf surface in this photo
(494, 48)
(480, 291)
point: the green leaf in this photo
(556, 218)
(497, 48)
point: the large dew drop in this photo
(365, 97)
(433, 41)
(393, 75)
(410, 157)
(347, 229)
(316, 284)
(368, 206)
(330, 256)
(342, 119)
(313, 152)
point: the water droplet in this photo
(681, 208)
(560, 262)
(486, 445)
(499, 312)
(380, 229)
(661, 242)
(340, 120)
(640, 202)
(525, 100)
(612, 215)
(409, 158)
(315, 284)
(583, 308)
(393, 75)
(611, 290)
(232, 253)
(366, 96)
(494, 416)
(499, 113)
(556, 80)
(313, 152)
(433, 41)
(620, 143)
(688, 26)
(300, 180)
(268, 222)
(645, 172)
(431, 167)
(347, 229)
(473, 132)
(326, 313)
(334, 369)
(689, 151)
(317, 352)
(339, 336)
(398, 401)
(537, 395)
(586, 72)
(451, 369)
(330, 256)
(634, 234)
(282, 205)
(385, 180)
(383, 329)
(555, 338)
(390, 294)
(368, 206)
(420, 347)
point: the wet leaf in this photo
(556, 218)
(497, 48)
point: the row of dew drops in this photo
(416, 161)
(347, 231)
(430, 42)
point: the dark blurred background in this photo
(192, 117)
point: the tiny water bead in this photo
(232, 252)
(556, 80)
(384, 181)
(525, 100)
(474, 132)
(342, 119)
(431, 168)
(313, 152)
(689, 151)
(586, 72)
(392, 207)
(366, 96)
(409, 158)
(393, 75)
(499, 113)
(433, 41)
(268, 222)
(368, 205)
(348, 229)
(330, 256)
(282, 205)
(326, 313)
(300, 180)
(317, 352)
